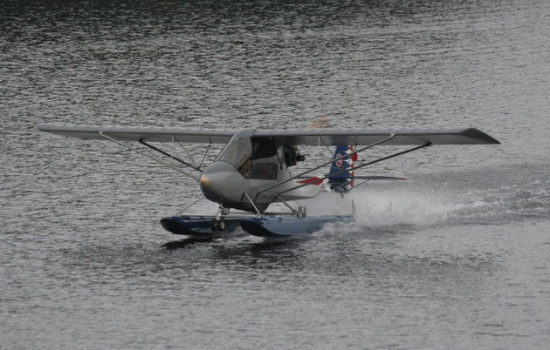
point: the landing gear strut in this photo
(218, 223)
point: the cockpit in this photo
(254, 158)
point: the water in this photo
(455, 257)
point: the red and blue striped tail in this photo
(342, 175)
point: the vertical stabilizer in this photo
(341, 174)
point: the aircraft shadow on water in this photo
(253, 170)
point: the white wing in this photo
(333, 137)
(150, 134)
(315, 137)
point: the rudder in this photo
(342, 175)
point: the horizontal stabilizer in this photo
(379, 178)
(318, 181)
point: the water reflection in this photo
(184, 243)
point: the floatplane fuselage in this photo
(251, 173)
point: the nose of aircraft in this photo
(204, 181)
(220, 182)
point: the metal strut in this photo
(171, 156)
(148, 156)
(301, 212)
(218, 223)
(427, 144)
(253, 204)
(185, 150)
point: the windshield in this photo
(237, 151)
(254, 159)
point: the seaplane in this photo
(254, 170)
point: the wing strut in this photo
(171, 156)
(325, 164)
(427, 144)
(148, 156)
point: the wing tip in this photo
(480, 135)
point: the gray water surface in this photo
(456, 257)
